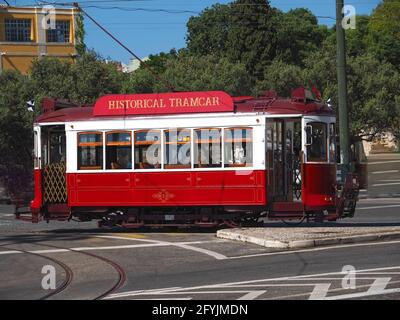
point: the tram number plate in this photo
(169, 217)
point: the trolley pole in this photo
(344, 137)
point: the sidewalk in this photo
(300, 237)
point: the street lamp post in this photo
(342, 92)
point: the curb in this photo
(295, 244)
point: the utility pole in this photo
(344, 137)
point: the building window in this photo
(18, 30)
(177, 149)
(148, 149)
(316, 142)
(238, 144)
(207, 148)
(90, 151)
(60, 33)
(119, 150)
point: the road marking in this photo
(10, 252)
(132, 235)
(380, 207)
(183, 245)
(252, 295)
(150, 243)
(291, 296)
(315, 249)
(117, 295)
(169, 298)
(385, 184)
(233, 284)
(387, 171)
(362, 294)
(383, 162)
(320, 291)
(379, 285)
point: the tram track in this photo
(69, 273)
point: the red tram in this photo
(188, 159)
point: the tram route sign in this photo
(163, 103)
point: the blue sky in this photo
(151, 32)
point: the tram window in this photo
(90, 151)
(119, 150)
(332, 143)
(177, 149)
(317, 135)
(238, 145)
(148, 149)
(207, 149)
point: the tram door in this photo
(54, 164)
(283, 159)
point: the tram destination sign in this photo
(163, 103)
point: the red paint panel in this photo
(318, 184)
(167, 189)
(163, 103)
(163, 179)
(102, 180)
(36, 203)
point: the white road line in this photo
(320, 291)
(379, 285)
(291, 296)
(315, 249)
(385, 184)
(383, 162)
(169, 298)
(362, 294)
(379, 207)
(213, 254)
(252, 295)
(116, 295)
(233, 284)
(151, 243)
(10, 252)
(183, 245)
(387, 171)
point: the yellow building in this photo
(27, 33)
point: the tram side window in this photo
(90, 151)
(238, 145)
(317, 142)
(207, 148)
(148, 149)
(177, 149)
(119, 150)
(332, 143)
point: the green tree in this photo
(15, 132)
(192, 73)
(281, 77)
(384, 32)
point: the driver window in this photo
(317, 148)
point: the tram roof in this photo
(268, 104)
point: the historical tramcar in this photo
(188, 159)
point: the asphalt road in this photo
(185, 264)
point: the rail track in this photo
(69, 272)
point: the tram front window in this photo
(317, 142)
